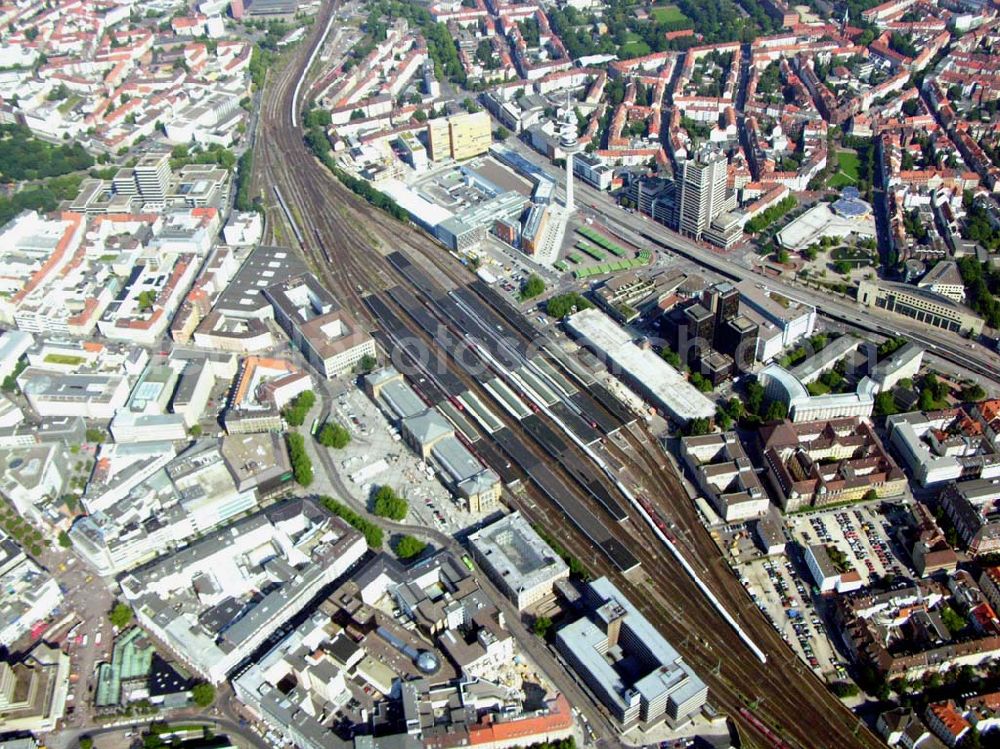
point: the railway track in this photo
(345, 241)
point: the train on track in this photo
(288, 216)
(657, 518)
(775, 741)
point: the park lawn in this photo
(634, 47)
(817, 388)
(70, 102)
(848, 174)
(668, 14)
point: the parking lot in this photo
(782, 586)
(377, 456)
(864, 535)
(780, 591)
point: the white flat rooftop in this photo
(820, 221)
(661, 382)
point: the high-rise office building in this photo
(695, 341)
(470, 135)
(431, 86)
(701, 323)
(703, 192)
(152, 175)
(438, 138)
(723, 300)
(461, 136)
(738, 338)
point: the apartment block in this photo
(948, 445)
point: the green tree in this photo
(698, 427)
(844, 689)
(94, 435)
(334, 435)
(776, 411)
(367, 363)
(541, 626)
(195, 430)
(952, 620)
(296, 411)
(260, 61)
(302, 468)
(563, 304)
(484, 53)
(86, 742)
(532, 287)
(701, 382)
(146, 299)
(24, 157)
(388, 504)
(763, 220)
(927, 402)
(317, 117)
(244, 172)
(120, 616)
(734, 407)
(723, 420)
(64, 540)
(407, 547)
(972, 392)
(885, 404)
(672, 358)
(890, 346)
(203, 694)
(373, 534)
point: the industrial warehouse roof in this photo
(243, 297)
